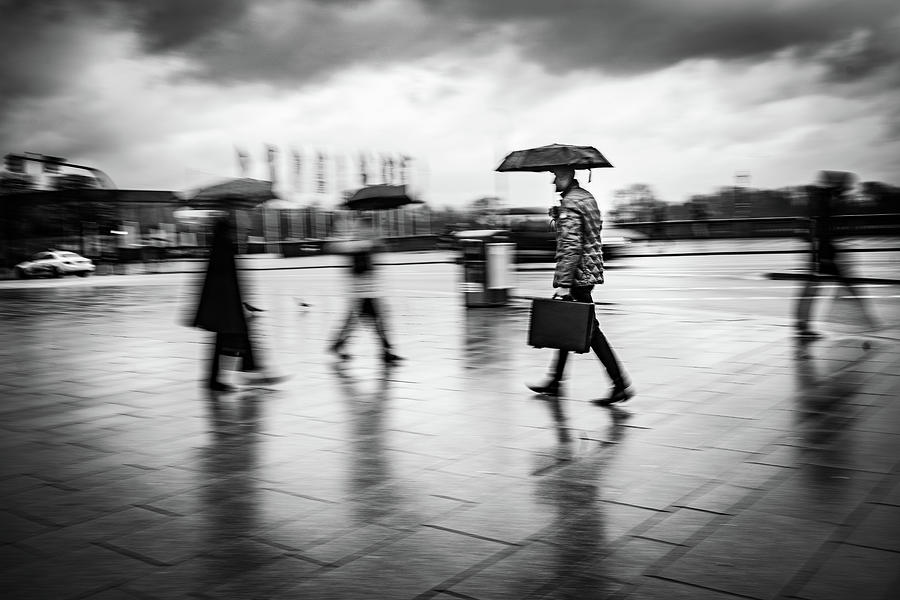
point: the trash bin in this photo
(487, 258)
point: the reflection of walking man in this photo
(230, 494)
(579, 266)
(371, 477)
(574, 491)
(824, 264)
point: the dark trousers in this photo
(599, 345)
(364, 307)
(228, 342)
(825, 271)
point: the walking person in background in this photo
(658, 228)
(365, 296)
(579, 267)
(699, 215)
(823, 199)
(221, 310)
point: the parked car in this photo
(54, 263)
(616, 240)
(529, 228)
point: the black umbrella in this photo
(243, 193)
(546, 158)
(379, 197)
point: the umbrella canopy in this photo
(546, 158)
(243, 193)
(379, 197)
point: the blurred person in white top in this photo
(364, 287)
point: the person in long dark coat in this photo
(221, 307)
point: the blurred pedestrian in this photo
(658, 227)
(579, 267)
(364, 290)
(221, 310)
(823, 199)
(699, 216)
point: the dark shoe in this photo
(262, 379)
(618, 394)
(550, 388)
(336, 350)
(808, 334)
(390, 358)
(251, 309)
(218, 386)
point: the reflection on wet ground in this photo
(748, 465)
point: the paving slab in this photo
(747, 465)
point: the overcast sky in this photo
(682, 95)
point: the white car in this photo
(55, 263)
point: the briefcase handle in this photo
(566, 297)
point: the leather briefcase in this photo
(561, 324)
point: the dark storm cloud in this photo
(291, 41)
(294, 40)
(167, 25)
(304, 41)
(38, 47)
(283, 41)
(643, 35)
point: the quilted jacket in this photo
(579, 251)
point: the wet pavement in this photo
(748, 465)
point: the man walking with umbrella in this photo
(579, 267)
(579, 251)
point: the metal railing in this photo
(849, 225)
